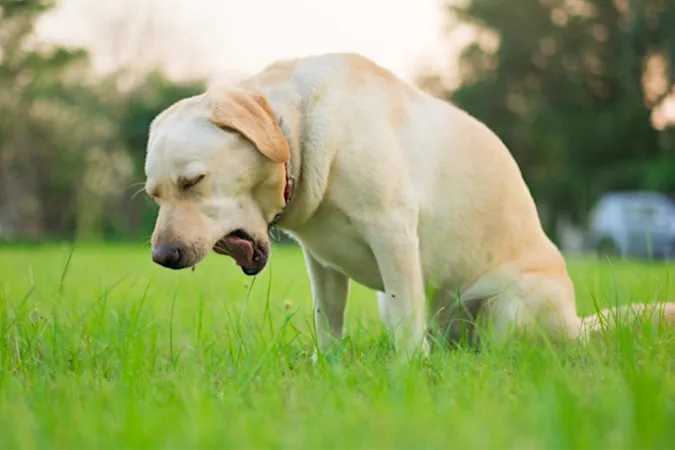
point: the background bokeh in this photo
(580, 91)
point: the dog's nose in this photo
(170, 256)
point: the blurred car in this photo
(638, 224)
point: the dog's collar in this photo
(288, 187)
(288, 193)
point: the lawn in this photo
(103, 349)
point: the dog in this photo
(380, 183)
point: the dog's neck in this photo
(288, 194)
(290, 177)
(298, 206)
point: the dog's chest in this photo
(335, 240)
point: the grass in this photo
(102, 349)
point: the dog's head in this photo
(215, 167)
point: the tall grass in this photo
(100, 348)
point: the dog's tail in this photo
(631, 314)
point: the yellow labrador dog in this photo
(379, 182)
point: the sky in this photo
(216, 38)
(221, 40)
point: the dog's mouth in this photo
(248, 253)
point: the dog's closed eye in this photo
(187, 183)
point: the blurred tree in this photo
(38, 94)
(566, 85)
(71, 144)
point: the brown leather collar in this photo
(288, 194)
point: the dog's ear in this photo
(251, 115)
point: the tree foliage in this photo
(570, 86)
(71, 145)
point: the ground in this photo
(101, 348)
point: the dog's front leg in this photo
(329, 292)
(403, 304)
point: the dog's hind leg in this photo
(535, 303)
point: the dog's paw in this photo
(419, 352)
(330, 357)
(315, 357)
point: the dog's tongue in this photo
(238, 248)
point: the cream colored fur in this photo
(395, 189)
